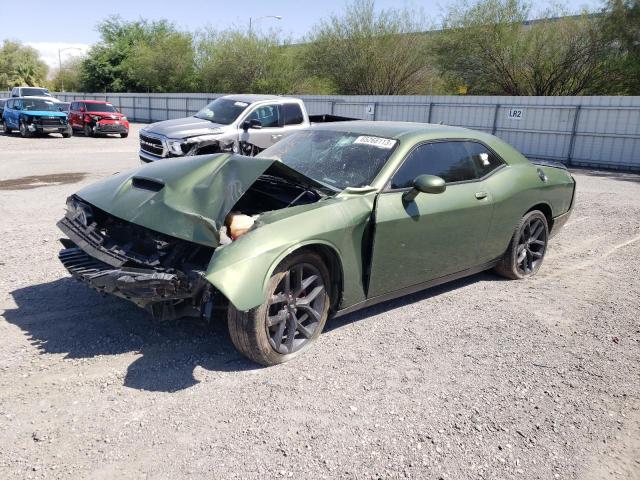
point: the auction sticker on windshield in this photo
(386, 143)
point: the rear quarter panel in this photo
(517, 189)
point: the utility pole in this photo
(60, 50)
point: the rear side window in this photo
(292, 114)
(448, 160)
(483, 159)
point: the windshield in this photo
(100, 107)
(222, 110)
(338, 159)
(34, 92)
(38, 105)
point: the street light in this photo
(277, 17)
(60, 50)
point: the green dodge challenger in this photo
(325, 222)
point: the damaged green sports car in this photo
(325, 222)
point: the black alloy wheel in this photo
(527, 248)
(296, 308)
(531, 246)
(292, 316)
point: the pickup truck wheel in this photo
(527, 248)
(291, 318)
(67, 133)
(24, 131)
(124, 135)
(88, 132)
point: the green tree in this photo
(492, 48)
(20, 65)
(164, 65)
(621, 27)
(69, 75)
(138, 56)
(366, 52)
(237, 61)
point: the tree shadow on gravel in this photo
(64, 317)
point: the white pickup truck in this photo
(245, 124)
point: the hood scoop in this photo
(149, 184)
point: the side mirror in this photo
(424, 184)
(247, 124)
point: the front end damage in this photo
(161, 274)
(149, 235)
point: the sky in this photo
(48, 26)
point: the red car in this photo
(94, 117)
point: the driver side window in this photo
(447, 160)
(268, 115)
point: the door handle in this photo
(276, 136)
(481, 195)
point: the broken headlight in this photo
(176, 147)
(79, 210)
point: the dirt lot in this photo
(482, 378)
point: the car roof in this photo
(49, 99)
(396, 130)
(252, 98)
(94, 101)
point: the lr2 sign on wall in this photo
(515, 114)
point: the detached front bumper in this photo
(139, 285)
(165, 293)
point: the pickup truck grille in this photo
(151, 145)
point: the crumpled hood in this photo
(184, 127)
(187, 198)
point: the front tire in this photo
(67, 133)
(527, 248)
(291, 318)
(124, 135)
(88, 132)
(24, 131)
(5, 128)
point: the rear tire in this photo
(291, 318)
(527, 248)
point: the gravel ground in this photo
(482, 378)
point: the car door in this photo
(433, 235)
(269, 115)
(6, 113)
(14, 113)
